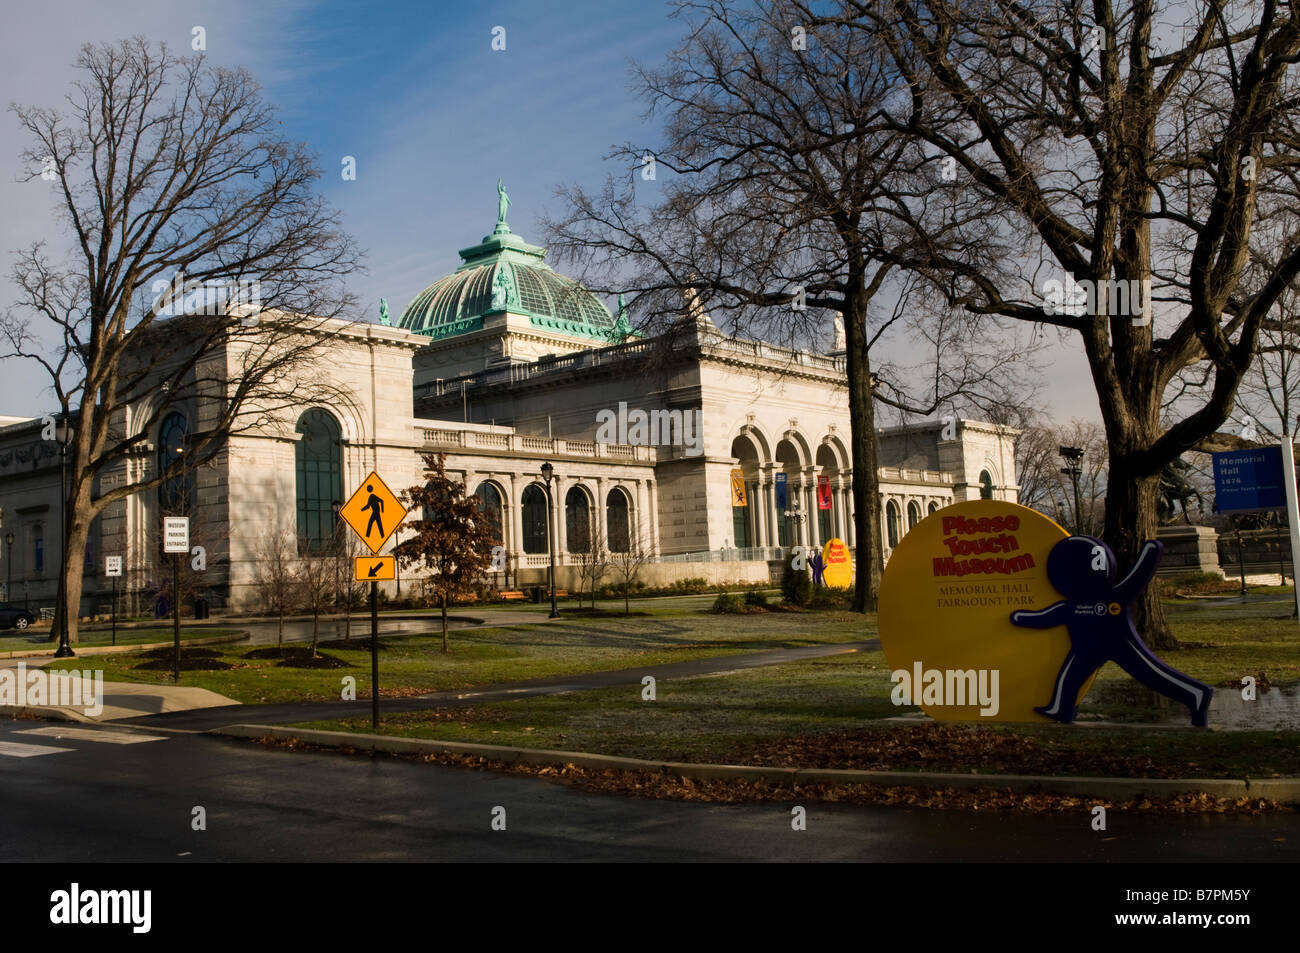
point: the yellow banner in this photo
(738, 497)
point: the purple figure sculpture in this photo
(1095, 612)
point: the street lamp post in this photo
(794, 513)
(548, 472)
(338, 550)
(1074, 455)
(61, 434)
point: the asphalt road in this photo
(96, 800)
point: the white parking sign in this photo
(176, 534)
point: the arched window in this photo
(533, 514)
(490, 508)
(893, 519)
(577, 520)
(986, 485)
(174, 494)
(913, 514)
(617, 525)
(318, 461)
(932, 508)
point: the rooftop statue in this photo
(383, 313)
(503, 203)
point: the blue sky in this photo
(413, 91)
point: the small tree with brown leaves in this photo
(452, 543)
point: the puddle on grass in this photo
(1274, 708)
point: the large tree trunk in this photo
(1131, 521)
(866, 474)
(73, 555)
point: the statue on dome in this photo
(503, 203)
(383, 313)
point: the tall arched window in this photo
(174, 494)
(913, 514)
(577, 520)
(933, 508)
(533, 515)
(490, 508)
(617, 525)
(318, 461)
(893, 519)
(986, 485)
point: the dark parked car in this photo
(12, 617)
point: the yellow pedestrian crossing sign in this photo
(373, 512)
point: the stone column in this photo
(598, 518)
(652, 511)
(560, 537)
(515, 514)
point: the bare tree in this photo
(1046, 488)
(628, 562)
(198, 250)
(315, 578)
(274, 575)
(1121, 162)
(791, 200)
(592, 560)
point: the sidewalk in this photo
(123, 700)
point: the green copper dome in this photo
(505, 273)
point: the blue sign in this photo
(1249, 480)
(780, 492)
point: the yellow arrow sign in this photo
(375, 568)
(373, 512)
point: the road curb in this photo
(91, 650)
(1284, 790)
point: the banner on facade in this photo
(738, 497)
(780, 492)
(823, 493)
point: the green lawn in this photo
(37, 639)
(414, 664)
(828, 713)
(756, 714)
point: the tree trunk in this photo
(315, 625)
(866, 473)
(444, 621)
(280, 645)
(1131, 521)
(73, 554)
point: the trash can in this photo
(200, 608)
(537, 595)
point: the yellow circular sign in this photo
(838, 564)
(946, 599)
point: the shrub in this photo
(728, 602)
(796, 584)
(755, 598)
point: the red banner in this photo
(823, 493)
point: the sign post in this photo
(1251, 481)
(176, 540)
(113, 569)
(378, 509)
(1292, 511)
